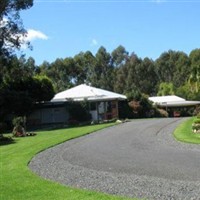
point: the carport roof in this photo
(84, 92)
(172, 101)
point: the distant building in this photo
(173, 104)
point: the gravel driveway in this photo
(135, 159)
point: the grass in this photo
(18, 182)
(184, 133)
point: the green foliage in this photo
(161, 113)
(170, 64)
(196, 127)
(196, 121)
(19, 124)
(12, 27)
(135, 94)
(119, 56)
(102, 75)
(140, 105)
(165, 89)
(182, 71)
(18, 121)
(42, 88)
(15, 102)
(79, 112)
(20, 89)
(146, 79)
(3, 127)
(194, 79)
(122, 72)
(188, 91)
(125, 110)
(17, 96)
(121, 79)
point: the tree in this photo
(119, 59)
(17, 68)
(165, 89)
(173, 70)
(11, 26)
(120, 79)
(183, 68)
(119, 56)
(30, 66)
(132, 76)
(166, 66)
(102, 72)
(139, 103)
(194, 78)
(83, 63)
(43, 89)
(12, 35)
(18, 96)
(61, 73)
(146, 78)
(89, 66)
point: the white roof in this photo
(172, 101)
(83, 91)
(162, 99)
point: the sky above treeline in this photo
(62, 28)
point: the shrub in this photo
(196, 121)
(3, 127)
(19, 123)
(196, 112)
(125, 110)
(161, 113)
(140, 105)
(196, 125)
(79, 112)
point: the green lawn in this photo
(184, 133)
(17, 182)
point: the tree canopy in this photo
(121, 71)
(12, 31)
(20, 84)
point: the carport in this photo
(173, 103)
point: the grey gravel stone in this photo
(135, 159)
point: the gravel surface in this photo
(135, 159)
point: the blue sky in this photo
(62, 28)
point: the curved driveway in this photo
(134, 159)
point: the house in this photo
(173, 104)
(103, 105)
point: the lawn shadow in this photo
(6, 141)
(52, 127)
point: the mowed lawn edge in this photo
(184, 133)
(18, 182)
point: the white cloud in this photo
(94, 42)
(34, 35)
(31, 33)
